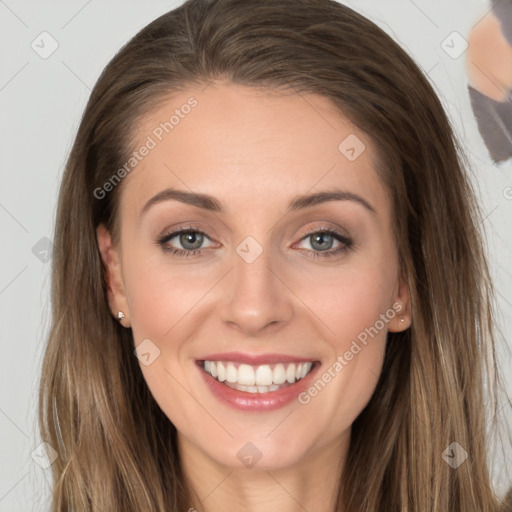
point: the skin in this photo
(254, 152)
(489, 59)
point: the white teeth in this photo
(253, 389)
(279, 375)
(221, 372)
(231, 373)
(253, 379)
(264, 375)
(246, 375)
(290, 373)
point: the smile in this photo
(263, 378)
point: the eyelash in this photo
(347, 243)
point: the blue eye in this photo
(191, 239)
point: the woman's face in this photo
(255, 288)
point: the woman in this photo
(269, 290)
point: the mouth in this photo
(264, 378)
(256, 383)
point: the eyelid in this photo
(325, 229)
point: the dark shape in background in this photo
(494, 118)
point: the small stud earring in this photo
(401, 320)
(120, 315)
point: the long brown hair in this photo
(116, 449)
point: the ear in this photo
(115, 286)
(402, 307)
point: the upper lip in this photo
(256, 359)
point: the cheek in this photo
(161, 295)
(349, 375)
(356, 308)
(352, 299)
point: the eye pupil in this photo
(319, 237)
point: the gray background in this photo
(42, 99)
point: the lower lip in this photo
(257, 401)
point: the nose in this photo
(256, 297)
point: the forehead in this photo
(250, 147)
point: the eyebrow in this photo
(212, 204)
